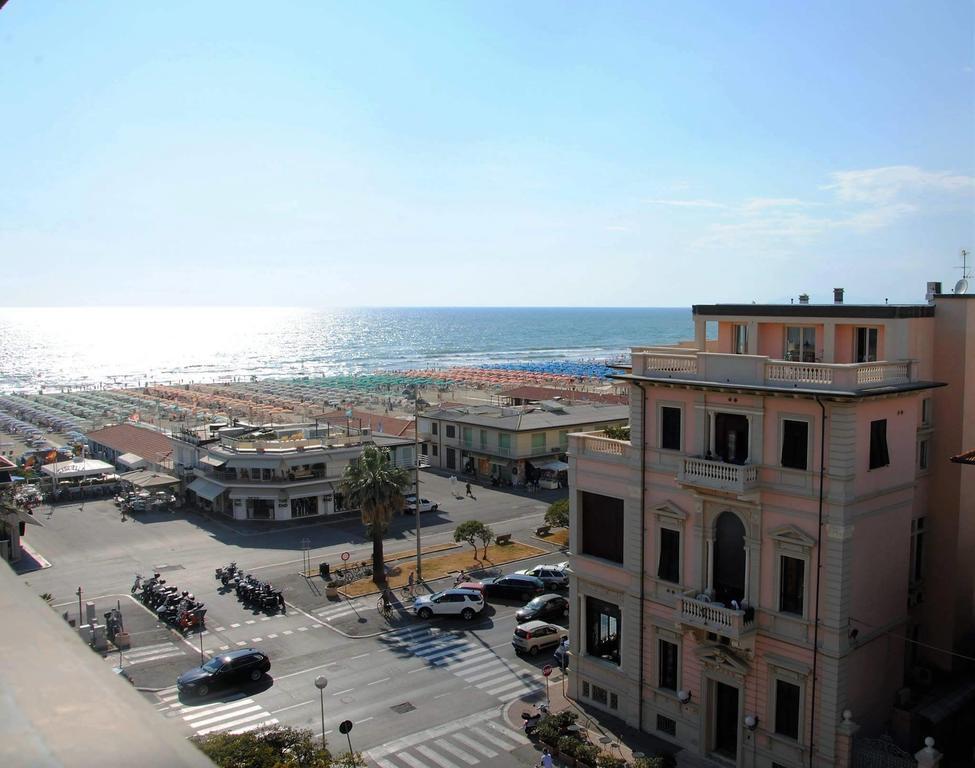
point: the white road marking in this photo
(487, 752)
(347, 690)
(228, 715)
(293, 706)
(431, 755)
(377, 682)
(446, 746)
(226, 726)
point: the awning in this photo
(948, 704)
(205, 489)
(77, 468)
(212, 461)
(145, 478)
(269, 494)
(21, 514)
(555, 466)
(131, 460)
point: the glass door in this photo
(800, 344)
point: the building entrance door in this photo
(725, 725)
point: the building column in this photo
(751, 338)
(829, 341)
(844, 740)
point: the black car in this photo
(247, 664)
(544, 607)
(514, 587)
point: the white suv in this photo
(466, 603)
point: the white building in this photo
(276, 473)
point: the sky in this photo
(325, 154)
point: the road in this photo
(418, 693)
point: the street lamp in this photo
(320, 683)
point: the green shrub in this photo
(587, 753)
(549, 731)
(610, 761)
(658, 761)
(569, 745)
(557, 514)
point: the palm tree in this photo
(376, 487)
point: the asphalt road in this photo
(418, 693)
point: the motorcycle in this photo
(137, 584)
(531, 720)
(227, 573)
(193, 618)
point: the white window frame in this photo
(660, 425)
(789, 541)
(671, 517)
(856, 333)
(802, 328)
(923, 455)
(809, 440)
(927, 412)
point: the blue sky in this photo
(458, 153)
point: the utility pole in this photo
(416, 477)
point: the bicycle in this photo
(385, 605)
(409, 593)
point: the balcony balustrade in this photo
(714, 617)
(718, 475)
(596, 444)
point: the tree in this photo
(470, 531)
(557, 514)
(276, 747)
(485, 535)
(376, 487)
(617, 432)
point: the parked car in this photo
(533, 636)
(409, 505)
(227, 669)
(544, 607)
(515, 586)
(475, 585)
(466, 603)
(551, 575)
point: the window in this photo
(926, 412)
(917, 550)
(466, 433)
(451, 459)
(603, 630)
(866, 345)
(800, 344)
(670, 428)
(923, 448)
(451, 431)
(436, 449)
(424, 449)
(504, 444)
(731, 437)
(666, 725)
(602, 526)
(792, 584)
(878, 444)
(739, 338)
(666, 665)
(483, 438)
(668, 566)
(599, 695)
(538, 443)
(433, 427)
(787, 696)
(563, 439)
(795, 444)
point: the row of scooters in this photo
(175, 607)
(250, 590)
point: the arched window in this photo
(729, 558)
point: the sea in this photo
(50, 349)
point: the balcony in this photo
(759, 370)
(597, 445)
(714, 617)
(718, 475)
(275, 479)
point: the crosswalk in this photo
(456, 744)
(462, 655)
(234, 714)
(347, 608)
(151, 653)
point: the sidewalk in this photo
(608, 732)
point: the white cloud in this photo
(881, 185)
(761, 203)
(688, 203)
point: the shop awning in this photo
(268, 494)
(205, 489)
(212, 461)
(64, 470)
(20, 514)
(555, 466)
(131, 460)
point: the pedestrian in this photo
(546, 761)
(411, 581)
(470, 492)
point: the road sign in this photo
(345, 555)
(345, 726)
(547, 670)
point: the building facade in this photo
(283, 473)
(489, 441)
(752, 568)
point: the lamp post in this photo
(320, 683)
(416, 477)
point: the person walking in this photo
(546, 761)
(470, 492)
(411, 582)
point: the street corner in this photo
(360, 617)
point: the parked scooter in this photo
(226, 573)
(532, 719)
(137, 584)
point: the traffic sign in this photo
(345, 555)
(547, 670)
(345, 726)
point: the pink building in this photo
(792, 542)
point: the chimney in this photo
(803, 298)
(837, 295)
(934, 288)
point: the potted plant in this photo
(548, 732)
(587, 754)
(332, 589)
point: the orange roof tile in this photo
(154, 447)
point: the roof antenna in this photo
(962, 285)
